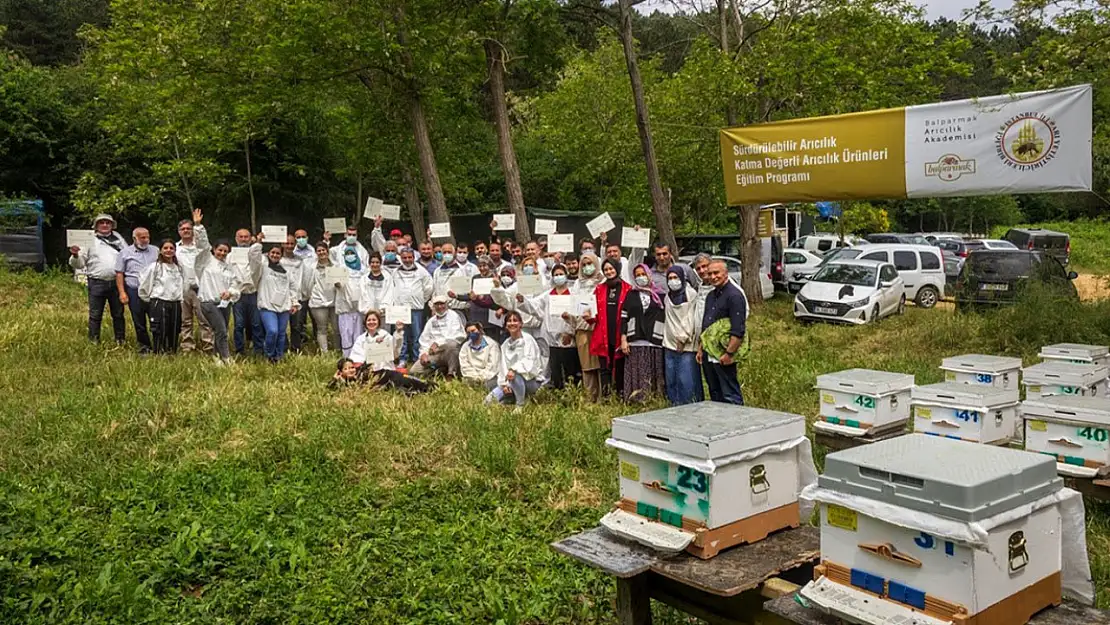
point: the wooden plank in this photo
(633, 600)
(1094, 488)
(1067, 614)
(836, 442)
(716, 610)
(747, 566)
(602, 550)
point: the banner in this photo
(1033, 142)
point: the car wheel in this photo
(875, 313)
(902, 305)
(927, 297)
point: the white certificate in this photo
(599, 224)
(336, 274)
(238, 256)
(546, 226)
(335, 225)
(392, 212)
(274, 234)
(494, 320)
(440, 230)
(482, 286)
(373, 208)
(529, 285)
(631, 237)
(560, 304)
(398, 314)
(378, 352)
(80, 238)
(560, 243)
(459, 285)
(586, 301)
(506, 221)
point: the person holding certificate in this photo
(348, 291)
(556, 309)
(589, 277)
(412, 286)
(321, 297)
(450, 278)
(440, 341)
(481, 305)
(99, 262)
(508, 297)
(374, 349)
(377, 288)
(218, 288)
(278, 290)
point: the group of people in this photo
(632, 328)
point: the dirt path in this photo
(1092, 287)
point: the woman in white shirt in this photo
(479, 357)
(219, 287)
(378, 370)
(278, 292)
(321, 297)
(680, 333)
(162, 286)
(557, 330)
(521, 365)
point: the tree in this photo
(862, 219)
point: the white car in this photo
(852, 292)
(795, 283)
(999, 244)
(795, 261)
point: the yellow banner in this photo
(840, 157)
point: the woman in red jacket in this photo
(606, 340)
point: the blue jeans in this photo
(522, 390)
(410, 347)
(722, 382)
(275, 324)
(248, 323)
(683, 377)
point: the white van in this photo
(920, 267)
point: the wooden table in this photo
(728, 590)
(787, 609)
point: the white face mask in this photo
(559, 280)
(642, 281)
(448, 259)
(441, 315)
(674, 284)
(506, 281)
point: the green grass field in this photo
(1090, 242)
(167, 490)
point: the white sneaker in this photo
(218, 361)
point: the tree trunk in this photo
(412, 201)
(513, 193)
(722, 13)
(250, 184)
(184, 179)
(357, 215)
(660, 205)
(751, 252)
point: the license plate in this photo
(994, 287)
(824, 310)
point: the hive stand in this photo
(1095, 488)
(789, 610)
(838, 442)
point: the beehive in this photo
(998, 371)
(1053, 377)
(1077, 353)
(969, 412)
(876, 499)
(856, 402)
(1074, 430)
(707, 476)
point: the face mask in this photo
(474, 336)
(350, 258)
(588, 250)
(302, 242)
(448, 258)
(408, 264)
(439, 255)
(529, 270)
(674, 284)
(559, 280)
(351, 239)
(390, 257)
(441, 315)
(506, 281)
(642, 281)
(588, 270)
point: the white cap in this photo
(103, 217)
(439, 299)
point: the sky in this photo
(952, 9)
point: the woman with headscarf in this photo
(278, 293)
(605, 343)
(642, 326)
(589, 276)
(162, 286)
(347, 295)
(680, 332)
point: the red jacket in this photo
(599, 342)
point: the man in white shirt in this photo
(187, 251)
(248, 321)
(440, 341)
(99, 263)
(451, 267)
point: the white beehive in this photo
(875, 501)
(1074, 430)
(856, 402)
(713, 474)
(971, 412)
(1077, 353)
(1053, 377)
(998, 371)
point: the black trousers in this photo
(565, 367)
(298, 328)
(101, 292)
(165, 325)
(140, 316)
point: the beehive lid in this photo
(1066, 373)
(980, 363)
(1077, 351)
(1095, 410)
(964, 394)
(865, 382)
(955, 479)
(709, 430)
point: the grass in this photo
(1090, 242)
(166, 490)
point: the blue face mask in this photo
(474, 336)
(529, 270)
(439, 255)
(302, 242)
(448, 258)
(559, 280)
(390, 257)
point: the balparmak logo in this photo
(1028, 141)
(950, 167)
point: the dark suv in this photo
(995, 277)
(961, 248)
(1050, 242)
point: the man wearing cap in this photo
(131, 262)
(378, 240)
(99, 263)
(187, 251)
(440, 341)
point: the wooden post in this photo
(633, 600)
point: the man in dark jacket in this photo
(725, 301)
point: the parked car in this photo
(952, 266)
(961, 247)
(998, 244)
(920, 267)
(851, 291)
(933, 237)
(897, 237)
(801, 276)
(996, 277)
(796, 260)
(821, 243)
(1055, 244)
(734, 267)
